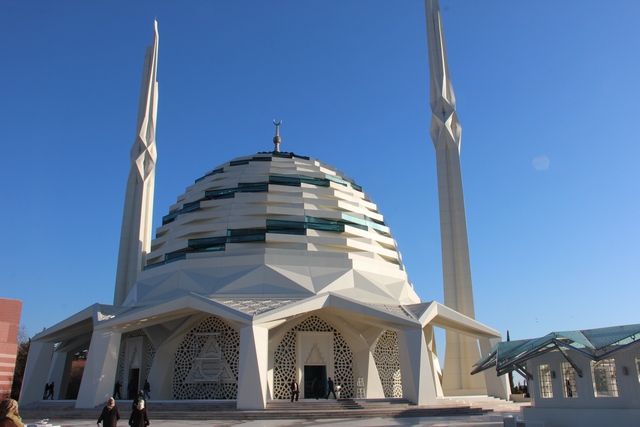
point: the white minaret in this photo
(135, 237)
(461, 351)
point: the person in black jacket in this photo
(50, 393)
(330, 389)
(110, 414)
(295, 392)
(315, 388)
(147, 390)
(117, 390)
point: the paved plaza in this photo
(490, 420)
(497, 410)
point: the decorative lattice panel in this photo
(387, 361)
(285, 359)
(210, 333)
(150, 355)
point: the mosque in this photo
(274, 267)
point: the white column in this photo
(36, 371)
(497, 386)
(162, 370)
(415, 367)
(100, 371)
(252, 381)
(373, 384)
(366, 368)
(432, 354)
(460, 355)
(59, 373)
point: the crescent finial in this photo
(277, 139)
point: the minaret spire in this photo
(461, 351)
(135, 237)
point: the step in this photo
(276, 409)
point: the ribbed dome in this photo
(274, 225)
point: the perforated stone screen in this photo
(185, 386)
(285, 359)
(388, 363)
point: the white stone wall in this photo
(586, 410)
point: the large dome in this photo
(274, 225)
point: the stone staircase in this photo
(276, 409)
(487, 402)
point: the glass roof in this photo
(593, 343)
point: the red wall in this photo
(10, 310)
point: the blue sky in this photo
(548, 98)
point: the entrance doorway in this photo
(312, 372)
(132, 387)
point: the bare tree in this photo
(24, 342)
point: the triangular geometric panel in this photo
(398, 289)
(201, 282)
(209, 365)
(288, 277)
(235, 279)
(315, 356)
(160, 278)
(330, 279)
(370, 283)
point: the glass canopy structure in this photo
(595, 344)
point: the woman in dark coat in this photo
(110, 414)
(139, 416)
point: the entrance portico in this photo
(259, 354)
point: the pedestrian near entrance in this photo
(110, 414)
(147, 389)
(295, 391)
(131, 390)
(50, 393)
(330, 389)
(117, 389)
(315, 388)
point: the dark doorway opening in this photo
(312, 372)
(75, 376)
(133, 386)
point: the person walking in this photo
(315, 388)
(330, 389)
(116, 390)
(110, 414)
(147, 389)
(295, 391)
(9, 416)
(131, 390)
(139, 416)
(50, 391)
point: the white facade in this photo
(612, 399)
